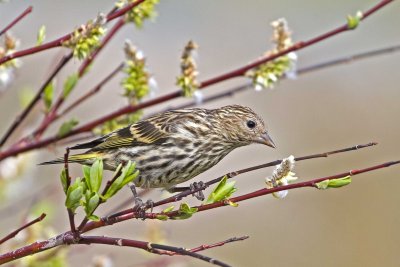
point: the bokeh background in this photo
(325, 110)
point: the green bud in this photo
(41, 35)
(334, 183)
(48, 95)
(168, 209)
(353, 21)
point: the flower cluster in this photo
(7, 69)
(136, 83)
(266, 75)
(187, 81)
(282, 175)
(87, 37)
(139, 13)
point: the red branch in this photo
(16, 20)
(240, 71)
(14, 233)
(61, 40)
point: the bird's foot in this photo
(139, 206)
(199, 194)
(192, 187)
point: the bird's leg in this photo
(192, 187)
(139, 206)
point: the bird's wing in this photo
(141, 133)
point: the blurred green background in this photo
(325, 110)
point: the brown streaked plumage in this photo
(175, 146)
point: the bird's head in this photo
(241, 126)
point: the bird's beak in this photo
(265, 139)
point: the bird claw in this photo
(139, 206)
(199, 194)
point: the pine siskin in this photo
(175, 146)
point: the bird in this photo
(175, 146)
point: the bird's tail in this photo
(85, 158)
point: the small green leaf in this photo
(48, 95)
(96, 175)
(74, 195)
(334, 183)
(63, 178)
(86, 175)
(128, 175)
(92, 203)
(66, 127)
(162, 217)
(223, 191)
(41, 35)
(70, 83)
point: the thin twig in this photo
(14, 233)
(16, 20)
(218, 244)
(18, 120)
(150, 247)
(349, 59)
(71, 214)
(182, 251)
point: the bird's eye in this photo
(251, 124)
